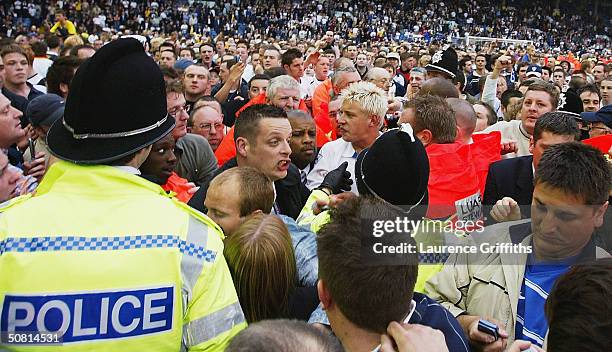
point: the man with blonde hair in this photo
(362, 114)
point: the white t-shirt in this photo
(333, 154)
(41, 65)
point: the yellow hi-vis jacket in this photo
(111, 262)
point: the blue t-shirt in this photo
(540, 277)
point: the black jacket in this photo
(291, 194)
(430, 313)
(510, 178)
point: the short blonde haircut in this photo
(372, 99)
(73, 40)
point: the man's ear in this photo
(40, 133)
(531, 145)
(425, 136)
(63, 87)
(600, 213)
(242, 146)
(324, 296)
(459, 135)
(375, 120)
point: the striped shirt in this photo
(531, 324)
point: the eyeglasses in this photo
(207, 126)
(175, 111)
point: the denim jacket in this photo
(305, 248)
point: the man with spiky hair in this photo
(362, 115)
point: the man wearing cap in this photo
(534, 71)
(444, 64)
(163, 284)
(181, 65)
(405, 196)
(42, 112)
(401, 83)
(600, 121)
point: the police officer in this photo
(100, 255)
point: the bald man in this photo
(382, 79)
(440, 87)
(466, 119)
(303, 142)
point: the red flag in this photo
(603, 143)
(486, 149)
(454, 185)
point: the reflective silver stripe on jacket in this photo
(191, 267)
(208, 327)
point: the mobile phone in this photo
(488, 328)
(31, 147)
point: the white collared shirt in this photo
(129, 169)
(333, 154)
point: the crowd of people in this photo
(232, 176)
(568, 25)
